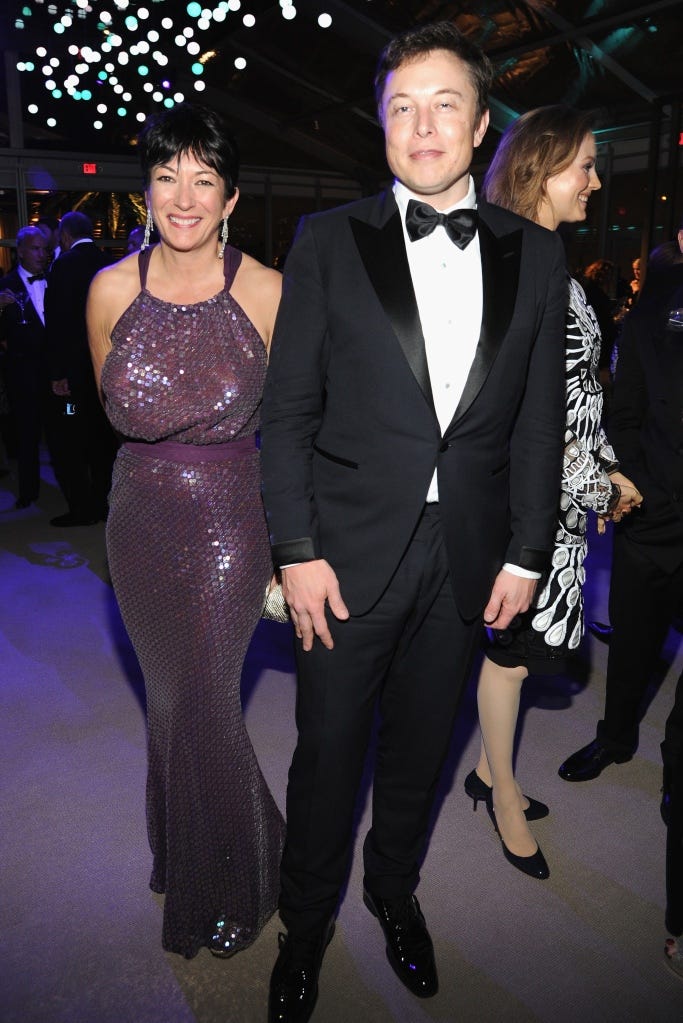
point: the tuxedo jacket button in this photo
(444, 447)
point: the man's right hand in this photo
(306, 588)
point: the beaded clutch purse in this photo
(275, 607)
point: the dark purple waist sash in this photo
(174, 451)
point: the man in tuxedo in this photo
(22, 335)
(646, 587)
(411, 443)
(90, 446)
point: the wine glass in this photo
(21, 298)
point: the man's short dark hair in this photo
(52, 223)
(189, 128)
(77, 225)
(440, 35)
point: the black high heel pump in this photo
(478, 790)
(534, 865)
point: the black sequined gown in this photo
(189, 559)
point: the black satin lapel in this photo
(500, 263)
(383, 253)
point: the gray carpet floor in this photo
(80, 929)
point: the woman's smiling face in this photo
(567, 193)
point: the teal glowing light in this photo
(197, 68)
(102, 75)
(131, 23)
(59, 28)
(168, 102)
(143, 70)
(121, 111)
(76, 94)
(26, 11)
(86, 94)
(57, 93)
(194, 10)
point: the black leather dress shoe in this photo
(409, 946)
(600, 630)
(69, 519)
(590, 761)
(294, 980)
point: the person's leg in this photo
(337, 691)
(418, 706)
(498, 695)
(641, 607)
(25, 409)
(672, 759)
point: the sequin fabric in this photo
(189, 559)
(552, 629)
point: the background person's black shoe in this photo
(589, 762)
(601, 631)
(409, 946)
(294, 980)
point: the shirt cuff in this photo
(524, 573)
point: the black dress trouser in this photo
(643, 601)
(411, 653)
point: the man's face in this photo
(431, 128)
(32, 252)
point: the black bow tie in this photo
(421, 219)
(36, 277)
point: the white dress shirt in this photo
(36, 292)
(449, 293)
(450, 299)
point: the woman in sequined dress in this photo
(544, 169)
(179, 337)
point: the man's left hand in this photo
(510, 596)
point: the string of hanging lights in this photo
(115, 57)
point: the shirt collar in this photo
(24, 274)
(404, 195)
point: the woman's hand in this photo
(629, 498)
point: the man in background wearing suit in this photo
(646, 587)
(411, 443)
(22, 334)
(90, 444)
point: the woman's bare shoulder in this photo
(116, 285)
(257, 277)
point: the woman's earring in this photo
(224, 238)
(149, 227)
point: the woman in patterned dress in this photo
(179, 335)
(544, 169)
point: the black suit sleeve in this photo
(293, 403)
(537, 439)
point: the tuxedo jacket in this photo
(350, 437)
(25, 341)
(646, 423)
(65, 300)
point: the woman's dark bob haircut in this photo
(189, 129)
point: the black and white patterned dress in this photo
(551, 630)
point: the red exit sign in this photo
(89, 168)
